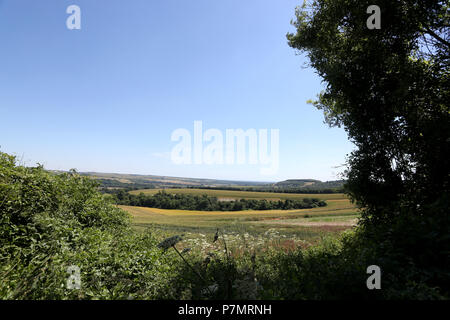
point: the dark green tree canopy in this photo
(389, 88)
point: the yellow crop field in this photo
(301, 224)
(333, 207)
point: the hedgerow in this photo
(49, 222)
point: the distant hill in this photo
(111, 181)
(136, 181)
(309, 184)
(296, 183)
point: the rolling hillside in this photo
(136, 181)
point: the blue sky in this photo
(107, 97)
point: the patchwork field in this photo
(286, 228)
(230, 194)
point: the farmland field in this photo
(296, 227)
(231, 194)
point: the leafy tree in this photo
(389, 88)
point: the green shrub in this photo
(52, 221)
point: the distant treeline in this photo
(275, 190)
(164, 200)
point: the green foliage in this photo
(50, 222)
(389, 89)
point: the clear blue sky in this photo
(107, 97)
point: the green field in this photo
(301, 226)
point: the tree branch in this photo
(437, 37)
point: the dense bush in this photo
(166, 200)
(336, 269)
(49, 222)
